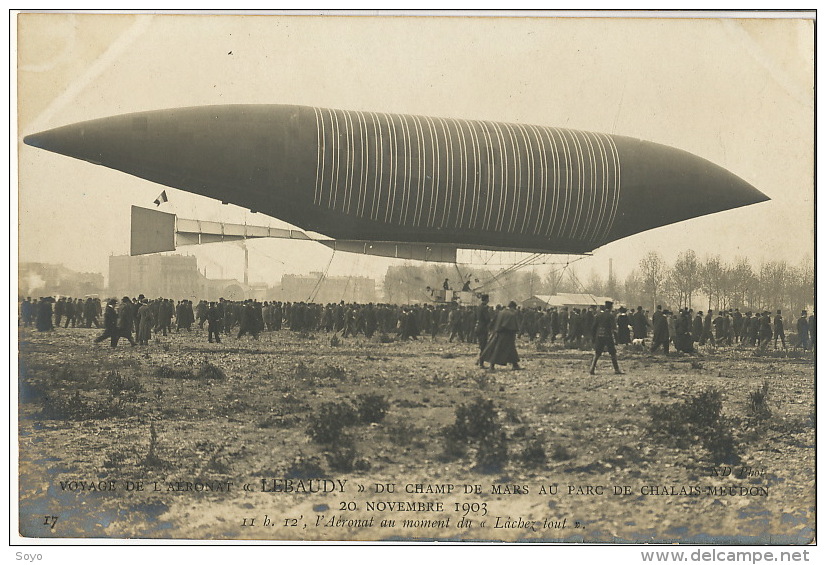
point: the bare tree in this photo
(742, 283)
(530, 284)
(595, 285)
(653, 271)
(712, 280)
(800, 288)
(685, 277)
(568, 280)
(553, 279)
(671, 293)
(632, 291)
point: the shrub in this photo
(332, 372)
(278, 420)
(117, 384)
(167, 372)
(301, 370)
(484, 379)
(474, 421)
(561, 453)
(152, 459)
(328, 371)
(533, 454)
(492, 453)
(328, 422)
(218, 463)
(231, 405)
(30, 392)
(209, 371)
(696, 418)
(115, 459)
(759, 403)
(372, 408)
(78, 375)
(342, 458)
(512, 414)
(452, 448)
(477, 424)
(60, 406)
(305, 468)
(405, 434)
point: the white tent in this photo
(568, 299)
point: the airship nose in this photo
(64, 140)
(214, 151)
(108, 141)
(668, 185)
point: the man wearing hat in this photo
(803, 330)
(482, 324)
(661, 334)
(110, 323)
(765, 334)
(603, 336)
(501, 350)
(779, 332)
(125, 322)
(623, 328)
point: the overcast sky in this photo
(736, 92)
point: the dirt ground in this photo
(565, 456)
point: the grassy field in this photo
(713, 447)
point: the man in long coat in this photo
(214, 323)
(145, 323)
(501, 350)
(43, 318)
(58, 310)
(248, 323)
(125, 322)
(110, 324)
(482, 326)
(69, 312)
(684, 341)
(779, 332)
(623, 329)
(605, 326)
(639, 324)
(90, 313)
(661, 336)
(697, 329)
(803, 330)
(812, 336)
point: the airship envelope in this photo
(368, 176)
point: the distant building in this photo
(177, 277)
(173, 276)
(316, 287)
(47, 279)
(568, 299)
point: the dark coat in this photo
(483, 317)
(623, 331)
(110, 319)
(501, 349)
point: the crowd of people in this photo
(687, 329)
(576, 327)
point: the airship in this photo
(367, 180)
